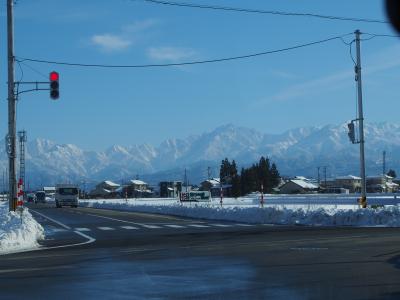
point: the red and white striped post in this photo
(20, 193)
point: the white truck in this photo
(66, 194)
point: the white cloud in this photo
(125, 38)
(171, 54)
(109, 42)
(384, 60)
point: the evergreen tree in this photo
(275, 176)
(392, 173)
(236, 186)
(224, 172)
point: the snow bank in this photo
(18, 230)
(317, 216)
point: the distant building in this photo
(105, 189)
(381, 184)
(170, 189)
(136, 189)
(214, 186)
(336, 190)
(350, 182)
(298, 186)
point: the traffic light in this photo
(54, 85)
(351, 132)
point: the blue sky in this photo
(101, 107)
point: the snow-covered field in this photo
(18, 230)
(313, 210)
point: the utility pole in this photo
(384, 163)
(325, 176)
(319, 179)
(12, 198)
(363, 198)
(186, 184)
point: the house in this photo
(214, 186)
(349, 182)
(298, 186)
(105, 189)
(170, 189)
(136, 188)
(381, 184)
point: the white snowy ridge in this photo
(18, 230)
(388, 216)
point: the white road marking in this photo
(105, 228)
(109, 218)
(57, 230)
(198, 226)
(129, 227)
(48, 218)
(174, 226)
(89, 238)
(221, 225)
(82, 229)
(245, 225)
(151, 226)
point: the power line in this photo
(373, 35)
(258, 11)
(246, 56)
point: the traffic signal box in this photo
(54, 85)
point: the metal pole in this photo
(11, 108)
(363, 198)
(384, 163)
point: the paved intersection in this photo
(90, 253)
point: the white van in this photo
(66, 194)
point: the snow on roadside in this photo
(18, 231)
(316, 216)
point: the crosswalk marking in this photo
(151, 226)
(129, 227)
(198, 226)
(105, 228)
(175, 226)
(82, 229)
(221, 225)
(160, 226)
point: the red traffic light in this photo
(54, 76)
(54, 85)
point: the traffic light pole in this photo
(12, 196)
(363, 199)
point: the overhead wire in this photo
(32, 69)
(217, 60)
(259, 11)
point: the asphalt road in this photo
(91, 253)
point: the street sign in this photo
(196, 196)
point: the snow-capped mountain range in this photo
(296, 152)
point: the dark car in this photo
(40, 197)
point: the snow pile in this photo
(319, 216)
(18, 230)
